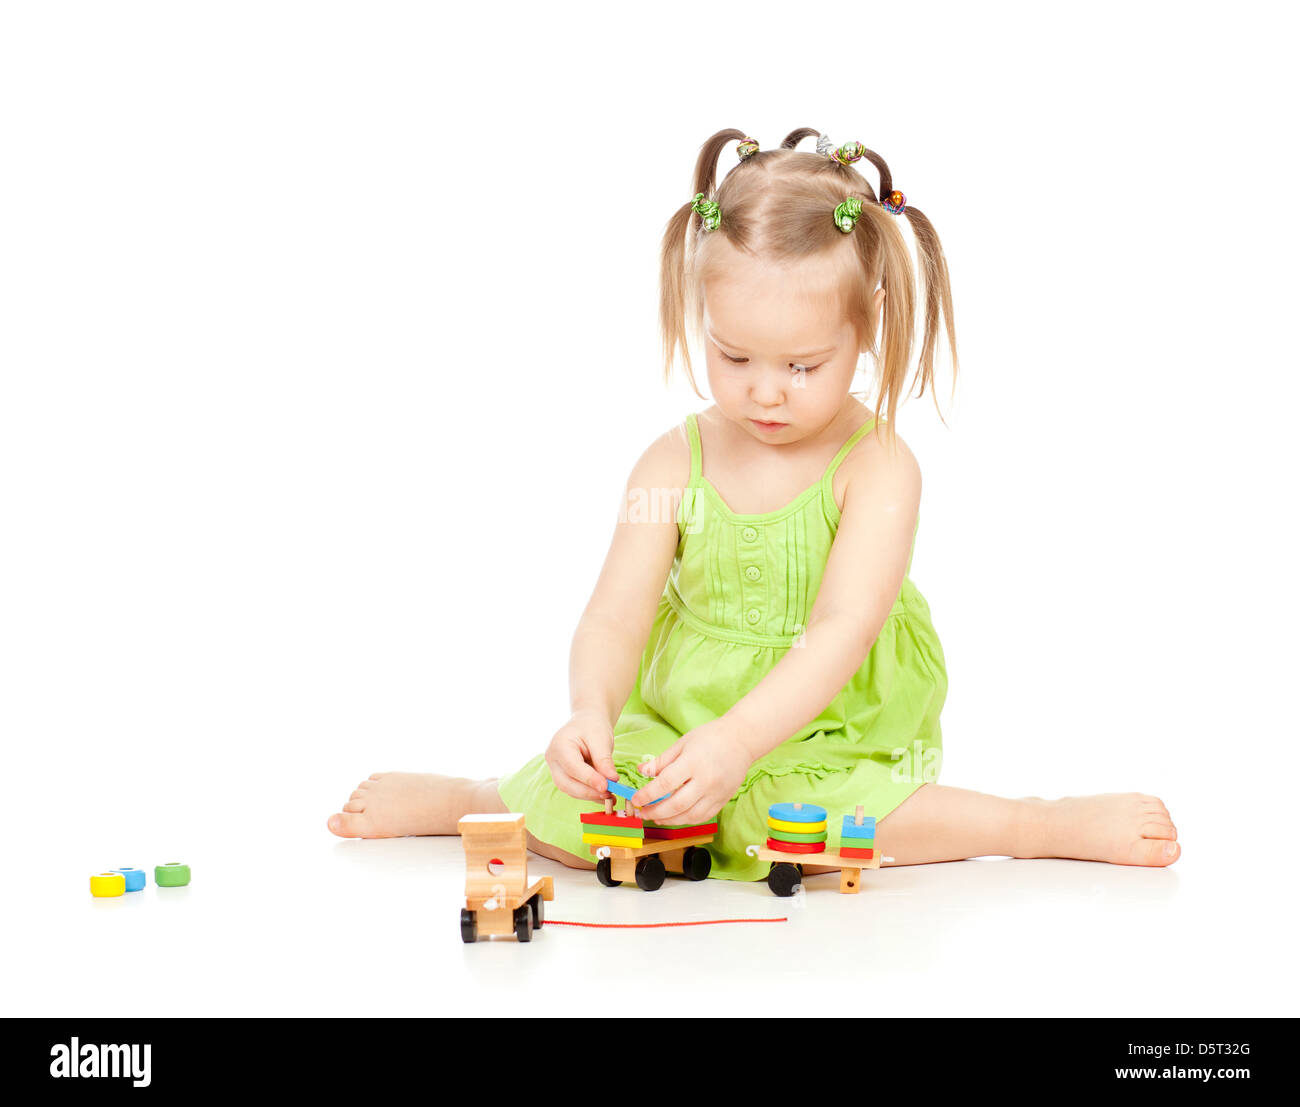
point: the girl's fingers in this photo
(571, 786)
(666, 781)
(658, 764)
(683, 799)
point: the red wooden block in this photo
(849, 851)
(599, 818)
(681, 831)
(796, 847)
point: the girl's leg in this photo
(940, 823)
(393, 805)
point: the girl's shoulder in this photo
(666, 462)
(884, 461)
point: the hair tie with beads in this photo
(747, 148)
(707, 211)
(846, 216)
(847, 213)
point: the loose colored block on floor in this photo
(171, 875)
(798, 828)
(599, 818)
(804, 813)
(850, 829)
(789, 836)
(612, 840)
(796, 847)
(851, 851)
(134, 878)
(663, 832)
(104, 885)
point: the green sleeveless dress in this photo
(739, 594)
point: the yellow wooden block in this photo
(612, 840)
(796, 828)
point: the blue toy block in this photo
(627, 792)
(134, 878)
(807, 813)
(853, 830)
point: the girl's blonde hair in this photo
(778, 205)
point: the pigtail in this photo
(675, 254)
(884, 244)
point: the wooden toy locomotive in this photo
(498, 897)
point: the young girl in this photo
(754, 637)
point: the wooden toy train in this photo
(629, 847)
(796, 834)
(498, 897)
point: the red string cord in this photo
(639, 926)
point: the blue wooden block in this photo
(627, 792)
(852, 830)
(807, 813)
(134, 878)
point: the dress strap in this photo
(693, 432)
(854, 439)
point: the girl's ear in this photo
(879, 299)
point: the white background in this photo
(328, 340)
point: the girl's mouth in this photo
(767, 426)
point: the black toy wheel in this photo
(468, 925)
(782, 878)
(697, 863)
(605, 873)
(536, 904)
(650, 873)
(524, 923)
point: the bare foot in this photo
(392, 805)
(1127, 828)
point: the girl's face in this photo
(781, 356)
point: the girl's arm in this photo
(864, 573)
(612, 632)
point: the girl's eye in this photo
(793, 365)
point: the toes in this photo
(348, 825)
(365, 784)
(354, 806)
(377, 776)
(357, 794)
(1154, 851)
(1157, 830)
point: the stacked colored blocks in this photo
(624, 831)
(670, 832)
(796, 828)
(858, 839)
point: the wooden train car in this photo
(498, 898)
(628, 848)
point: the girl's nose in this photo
(769, 387)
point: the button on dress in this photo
(738, 596)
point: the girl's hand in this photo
(702, 770)
(579, 756)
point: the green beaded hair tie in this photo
(847, 214)
(707, 211)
